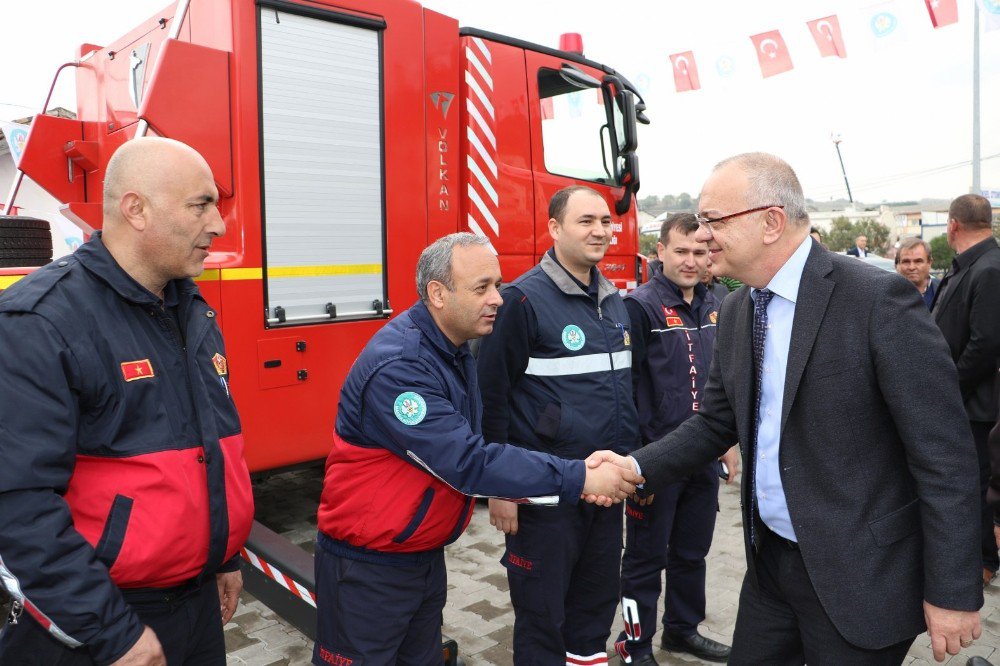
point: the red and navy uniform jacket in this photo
(408, 451)
(121, 457)
(672, 350)
(556, 372)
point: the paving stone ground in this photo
(478, 614)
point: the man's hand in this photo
(732, 460)
(146, 652)
(950, 630)
(996, 534)
(503, 515)
(610, 478)
(230, 585)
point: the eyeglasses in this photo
(711, 222)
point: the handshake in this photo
(610, 478)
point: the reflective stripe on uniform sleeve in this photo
(579, 365)
(13, 588)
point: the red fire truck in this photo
(344, 136)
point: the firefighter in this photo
(556, 376)
(124, 496)
(673, 319)
(407, 454)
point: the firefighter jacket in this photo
(556, 372)
(121, 457)
(675, 342)
(408, 450)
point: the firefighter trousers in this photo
(562, 569)
(674, 533)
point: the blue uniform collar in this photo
(94, 256)
(421, 317)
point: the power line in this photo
(899, 177)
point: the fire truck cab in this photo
(344, 136)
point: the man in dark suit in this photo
(860, 248)
(858, 538)
(967, 310)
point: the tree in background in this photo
(878, 235)
(941, 252)
(841, 235)
(647, 243)
(843, 232)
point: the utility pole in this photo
(836, 142)
(976, 184)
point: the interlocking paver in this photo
(478, 614)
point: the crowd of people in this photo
(599, 427)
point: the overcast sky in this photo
(904, 110)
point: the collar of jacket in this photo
(421, 317)
(671, 295)
(970, 256)
(562, 279)
(94, 256)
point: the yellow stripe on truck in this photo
(8, 280)
(288, 272)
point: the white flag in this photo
(17, 137)
(884, 24)
(989, 14)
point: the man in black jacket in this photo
(967, 310)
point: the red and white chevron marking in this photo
(484, 202)
(287, 582)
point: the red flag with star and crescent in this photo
(943, 12)
(772, 53)
(829, 39)
(685, 71)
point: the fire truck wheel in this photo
(24, 241)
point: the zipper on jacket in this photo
(611, 375)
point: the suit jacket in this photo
(967, 310)
(856, 252)
(886, 509)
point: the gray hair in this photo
(911, 242)
(772, 183)
(435, 261)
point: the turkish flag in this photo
(943, 12)
(829, 40)
(772, 54)
(685, 71)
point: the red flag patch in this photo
(133, 370)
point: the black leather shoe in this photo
(696, 644)
(977, 661)
(644, 660)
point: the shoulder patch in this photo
(409, 408)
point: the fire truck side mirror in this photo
(629, 140)
(630, 180)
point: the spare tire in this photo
(24, 241)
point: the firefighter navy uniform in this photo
(407, 456)
(555, 377)
(672, 353)
(123, 489)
